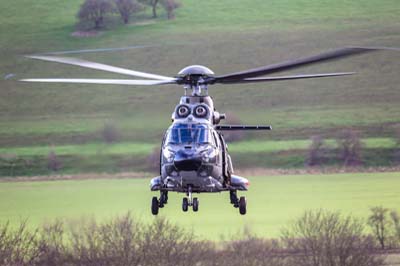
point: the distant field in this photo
(273, 201)
(146, 148)
(225, 35)
(133, 156)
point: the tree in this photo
(328, 238)
(94, 11)
(110, 133)
(170, 6)
(53, 162)
(378, 221)
(350, 146)
(126, 8)
(396, 154)
(153, 4)
(396, 224)
(317, 151)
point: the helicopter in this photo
(194, 156)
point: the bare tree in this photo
(170, 6)
(396, 224)
(153, 160)
(328, 238)
(317, 152)
(110, 133)
(126, 8)
(396, 154)
(153, 4)
(378, 221)
(95, 11)
(54, 163)
(350, 146)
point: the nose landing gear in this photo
(189, 202)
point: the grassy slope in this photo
(273, 201)
(233, 35)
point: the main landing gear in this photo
(189, 202)
(240, 203)
(159, 203)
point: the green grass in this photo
(100, 157)
(272, 201)
(121, 148)
(234, 35)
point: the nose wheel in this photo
(190, 202)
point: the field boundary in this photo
(243, 172)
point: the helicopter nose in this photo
(187, 160)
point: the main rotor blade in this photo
(104, 81)
(306, 76)
(328, 56)
(114, 49)
(242, 127)
(98, 66)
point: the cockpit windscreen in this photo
(189, 134)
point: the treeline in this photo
(317, 238)
(93, 14)
(348, 151)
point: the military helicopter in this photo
(194, 155)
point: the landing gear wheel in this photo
(195, 204)
(185, 204)
(154, 206)
(242, 205)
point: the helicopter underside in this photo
(198, 184)
(190, 182)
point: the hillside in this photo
(223, 35)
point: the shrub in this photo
(396, 154)
(18, 246)
(126, 8)
(54, 163)
(170, 6)
(153, 160)
(110, 133)
(349, 145)
(328, 238)
(94, 11)
(317, 152)
(396, 224)
(378, 221)
(252, 251)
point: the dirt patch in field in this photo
(86, 34)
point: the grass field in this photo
(272, 201)
(234, 35)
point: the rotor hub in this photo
(196, 78)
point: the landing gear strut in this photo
(189, 202)
(240, 203)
